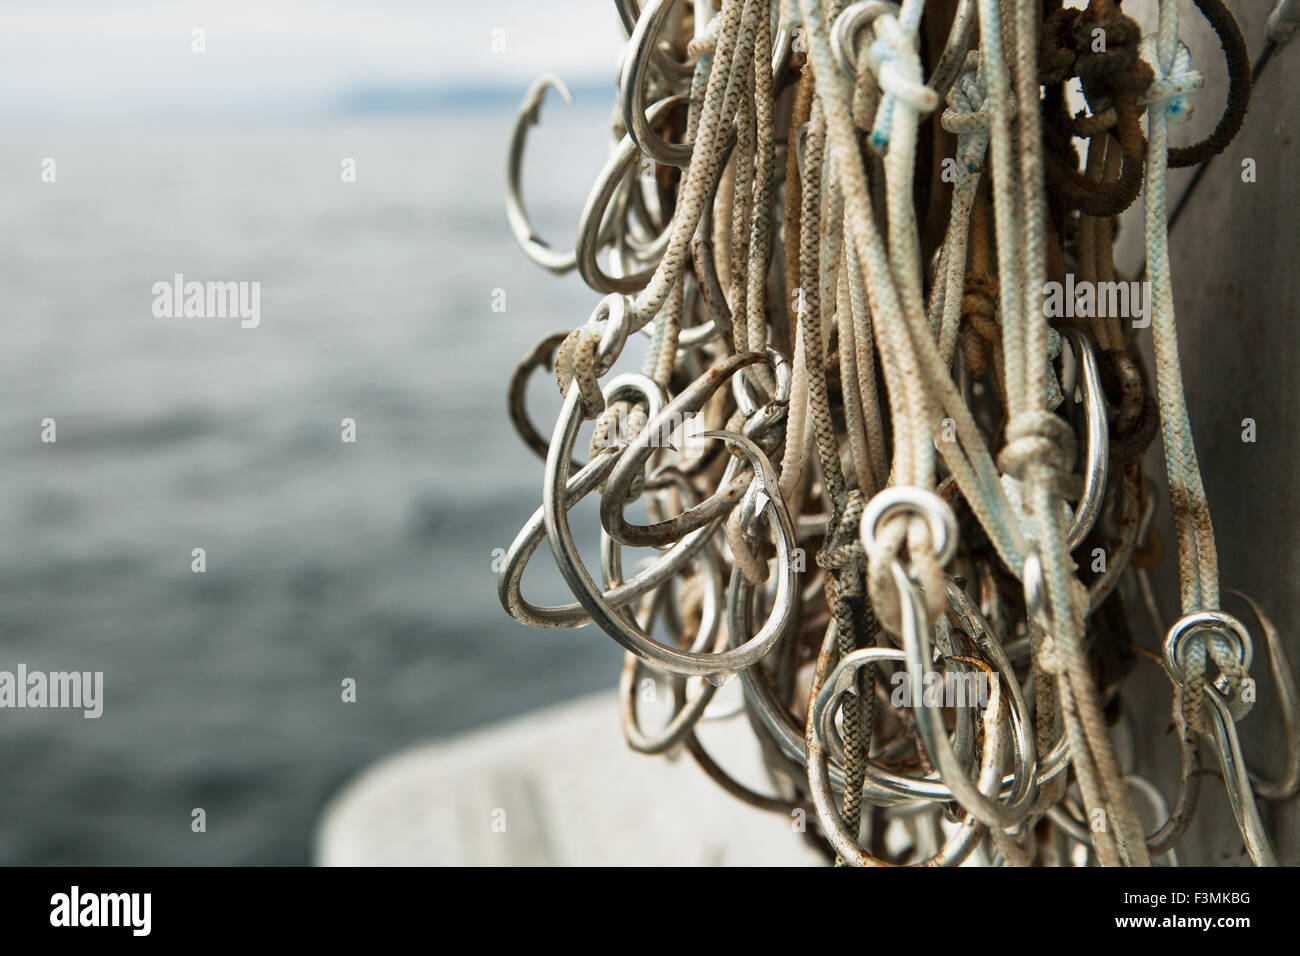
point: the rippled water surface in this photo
(325, 560)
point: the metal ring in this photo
(1175, 646)
(848, 27)
(936, 512)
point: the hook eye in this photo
(849, 26)
(740, 384)
(611, 318)
(910, 499)
(1220, 622)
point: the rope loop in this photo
(590, 350)
(575, 362)
(1222, 638)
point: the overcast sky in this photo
(63, 60)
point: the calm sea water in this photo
(325, 560)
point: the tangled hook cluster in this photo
(832, 352)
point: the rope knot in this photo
(968, 116)
(1042, 445)
(897, 66)
(1193, 640)
(848, 563)
(1173, 81)
(979, 305)
(966, 111)
(843, 551)
(1197, 686)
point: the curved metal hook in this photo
(629, 14)
(711, 633)
(657, 434)
(882, 786)
(530, 114)
(1285, 787)
(581, 484)
(960, 37)
(821, 728)
(643, 44)
(1158, 805)
(933, 732)
(763, 498)
(516, 393)
(859, 16)
(593, 213)
(1236, 780)
(974, 624)
(1098, 438)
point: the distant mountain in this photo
(428, 99)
